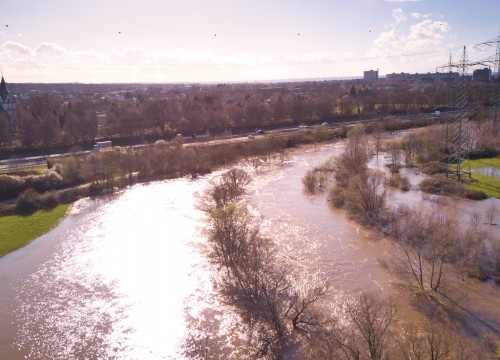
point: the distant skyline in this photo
(124, 41)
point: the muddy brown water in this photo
(116, 278)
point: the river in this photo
(124, 278)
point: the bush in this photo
(50, 162)
(441, 185)
(95, 189)
(394, 168)
(11, 186)
(474, 194)
(28, 201)
(399, 181)
(49, 201)
(337, 196)
(310, 181)
(482, 154)
(161, 143)
(434, 167)
(49, 180)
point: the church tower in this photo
(8, 104)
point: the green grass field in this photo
(16, 230)
(37, 169)
(487, 184)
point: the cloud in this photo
(13, 48)
(130, 55)
(408, 36)
(51, 62)
(399, 16)
(416, 15)
(50, 49)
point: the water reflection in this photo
(117, 286)
(125, 278)
(494, 172)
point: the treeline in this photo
(101, 172)
(286, 311)
(46, 119)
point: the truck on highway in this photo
(103, 145)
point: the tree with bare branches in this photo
(366, 197)
(252, 278)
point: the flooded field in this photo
(125, 278)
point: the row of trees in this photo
(47, 119)
(74, 176)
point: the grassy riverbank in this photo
(487, 184)
(17, 230)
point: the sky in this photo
(108, 41)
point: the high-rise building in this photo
(370, 75)
(482, 74)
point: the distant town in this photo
(41, 115)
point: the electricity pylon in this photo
(457, 134)
(495, 101)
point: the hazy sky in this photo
(233, 40)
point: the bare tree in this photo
(226, 189)
(475, 220)
(366, 331)
(252, 278)
(394, 150)
(427, 240)
(366, 197)
(491, 214)
(430, 340)
(353, 160)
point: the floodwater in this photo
(119, 278)
(489, 171)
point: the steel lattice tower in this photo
(496, 90)
(457, 134)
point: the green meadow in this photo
(488, 184)
(18, 230)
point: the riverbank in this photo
(17, 231)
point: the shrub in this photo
(161, 143)
(49, 201)
(11, 186)
(310, 181)
(337, 196)
(50, 162)
(95, 189)
(441, 185)
(474, 194)
(28, 201)
(399, 181)
(49, 180)
(434, 167)
(394, 168)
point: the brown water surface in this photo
(117, 277)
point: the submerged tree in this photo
(252, 278)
